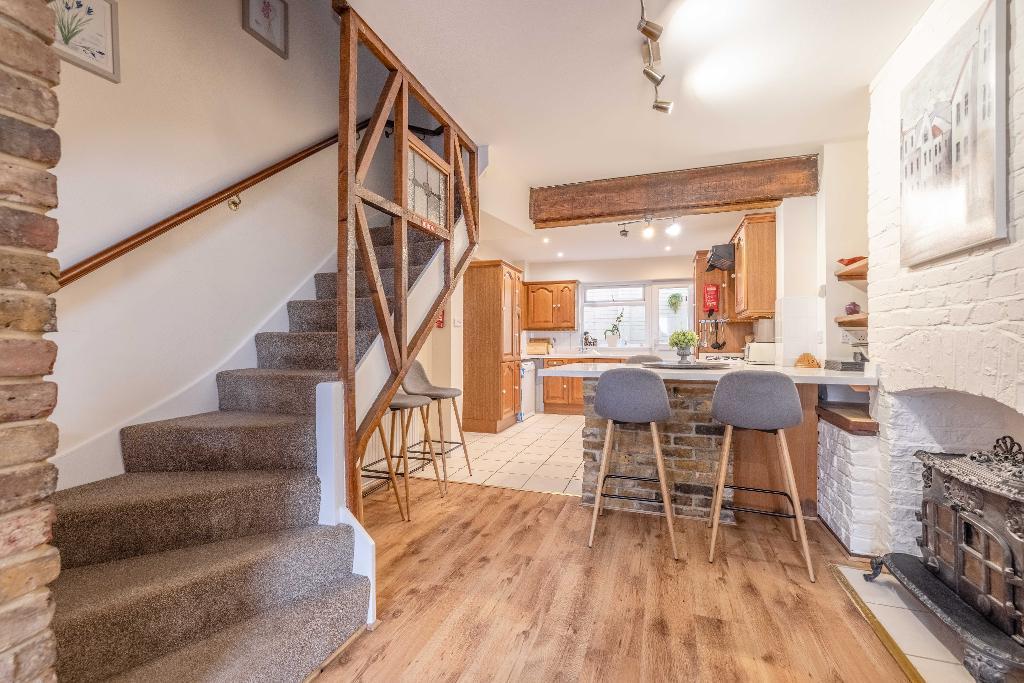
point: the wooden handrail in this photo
(126, 245)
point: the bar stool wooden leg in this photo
(430, 447)
(613, 435)
(444, 445)
(462, 435)
(392, 479)
(787, 470)
(405, 458)
(602, 471)
(666, 497)
(716, 506)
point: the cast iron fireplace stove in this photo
(972, 547)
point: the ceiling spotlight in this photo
(653, 76)
(559, 254)
(648, 232)
(664, 106)
(547, 240)
(669, 248)
(623, 231)
(651, 30)
(673, 230)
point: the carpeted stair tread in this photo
(384, 236)
(284, 644)
(321, 315)
(306, 350)
(116, 615)
(145, 512)
(270, 390)
(419, 253)
(222, 440)
(327, 283)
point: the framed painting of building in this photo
(953, 143)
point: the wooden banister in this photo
(98, 260)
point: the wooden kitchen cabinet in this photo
(550, 305)
(564, 395)
(732, 333)
(492, 318)
(754, 276)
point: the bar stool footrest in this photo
(656, 499)
(452, 447)
(632, 478)
(754, 511)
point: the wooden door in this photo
(565, 306)
(508, 389)
(740, 276)
(540, 307)
(576, 391)
(508, 313)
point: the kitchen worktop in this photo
(556, 354)
(799, 375)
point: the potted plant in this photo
(611, 335)
(675, 301)
(683, 342)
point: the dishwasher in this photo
(528, 388)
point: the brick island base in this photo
(691, 442)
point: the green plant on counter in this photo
(675, 301)
(614, 329)
(683, 339)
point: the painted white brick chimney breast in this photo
(948, 337)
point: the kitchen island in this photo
(691, 442)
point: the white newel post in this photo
(330, 468)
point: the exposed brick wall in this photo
(691, 442)
(28, 149)
(956, 325)
(847, 468)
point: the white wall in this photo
(842, 233)
(797, 327)
(946, 336)
(201, 104)
(614, 270)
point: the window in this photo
(647, 318)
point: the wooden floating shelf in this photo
(856, 320)
(855, 272)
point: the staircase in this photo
(205, 561)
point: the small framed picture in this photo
(87, 35)
(267, 22)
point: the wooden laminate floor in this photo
(492, 584)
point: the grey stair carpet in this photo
(266, 390)
(144, 512)
(224, 440)
(285, 644)
(204, 562)
(158, 602)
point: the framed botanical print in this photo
(267, 22)
(86, 35)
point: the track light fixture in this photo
(652, 31)
(653, 76)
(663, 106)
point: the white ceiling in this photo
(602, 241)
(555, 87)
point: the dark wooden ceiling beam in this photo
(733, 187)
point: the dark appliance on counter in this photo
(721, 257)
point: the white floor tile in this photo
(566, 459)
(518, 468)
(486, 466)
(934, 671)
(549, 469)
(507, 480)
(885, 590)
(575, 487)
(526, 456)
(546, 484)
(912, 631)
(477, 477)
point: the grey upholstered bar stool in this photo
(763, 401)
(401, 409)
(417, 383)
(642, 358)
(630, 396)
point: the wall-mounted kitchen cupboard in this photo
(754, 275)
(550, 305)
